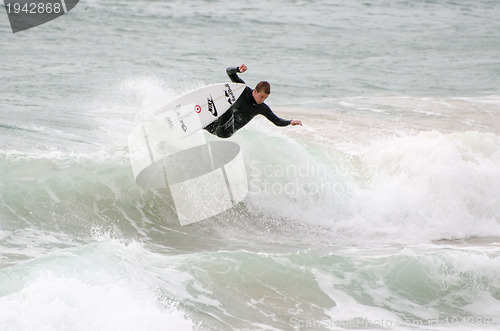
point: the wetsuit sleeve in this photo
(232, 72)
(268, 113)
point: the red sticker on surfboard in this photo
(197, 109)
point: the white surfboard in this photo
(196, 109)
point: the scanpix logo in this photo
(26, 14)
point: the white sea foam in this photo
(99, 287)
(401, 290)
(429, 185)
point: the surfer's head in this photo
(261, 92)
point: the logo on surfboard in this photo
(179, 117)
(229, 94)
(211, 106)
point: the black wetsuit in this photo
(242, 111)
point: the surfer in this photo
(249, 104)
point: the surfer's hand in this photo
(242, 68)
(296, 122)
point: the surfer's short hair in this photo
(263, 86)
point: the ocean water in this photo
(381, 212)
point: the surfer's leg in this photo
(211, 127)
(225, 125)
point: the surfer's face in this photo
(259, 97)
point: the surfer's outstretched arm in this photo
(232, 72)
